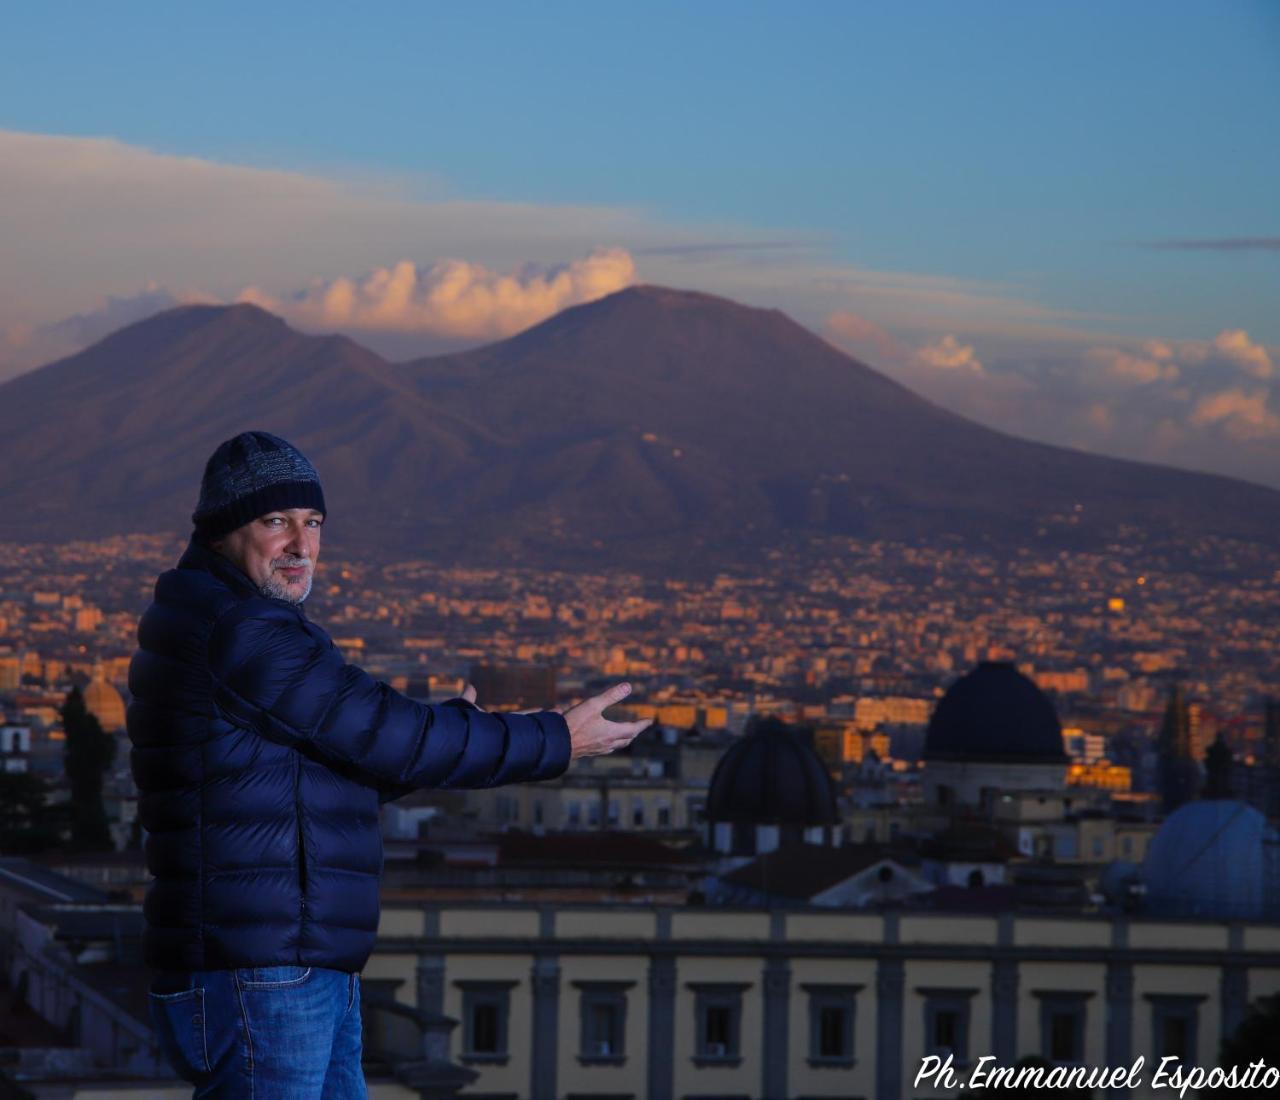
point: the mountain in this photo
(653, 425)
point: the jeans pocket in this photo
(353, 990)
(178, 1019)
(274, 977)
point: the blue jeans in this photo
(262, 1032)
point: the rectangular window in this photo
(1062, 1025)
(485, 1038)
(717, 1016)
(946, 1029)
(602, 1009)
(1064, 1038)
(946, 1021)
(719, 1027)
(485, 1010)
(831, 1019)
(637, 813)
(602, 1029)
(575, 813)
(664, 817)
(1174, 1026)
(1175, 1037)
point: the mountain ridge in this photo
(649, 423)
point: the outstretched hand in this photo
(591, 733)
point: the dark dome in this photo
(771, 775)
(1214, 858)
(995, 713)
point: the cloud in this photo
(719, 248)
(948, 354)
(23, 346)
(861, 337)
(1218, 244)
(1211, 404)
(1229, 353)
(82, 217)
(451, 298)
(1234, 346)
(1241, 415)
(1115, 366)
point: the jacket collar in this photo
(199, 556)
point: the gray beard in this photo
(282, 590)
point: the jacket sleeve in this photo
(273, 675)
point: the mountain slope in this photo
(646, 425)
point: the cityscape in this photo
(654, 551)
(1146, 672)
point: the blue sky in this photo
(1030, 153)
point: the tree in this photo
(27, 823)
(89, 753)
(1254, 1040)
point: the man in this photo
(261, 758)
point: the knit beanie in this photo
(248, 476)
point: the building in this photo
(658, 1003)
(771, 788)
(1214, 857)
(658, 783)
(993, 732)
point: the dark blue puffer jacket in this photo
(261, 757)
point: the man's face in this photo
(277, 551)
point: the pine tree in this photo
(89, 753)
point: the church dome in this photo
(772, 775)
(104, 702)
(995, 713)
(1214, 858)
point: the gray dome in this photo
(1214, 858)
(772, 775)
(995, 713)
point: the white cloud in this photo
(1231, 349)
(452, 298)
(82, 217)
(948, 354)
(1241, 415)
(1234, 346)
(1115, 366)
(861, 337)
